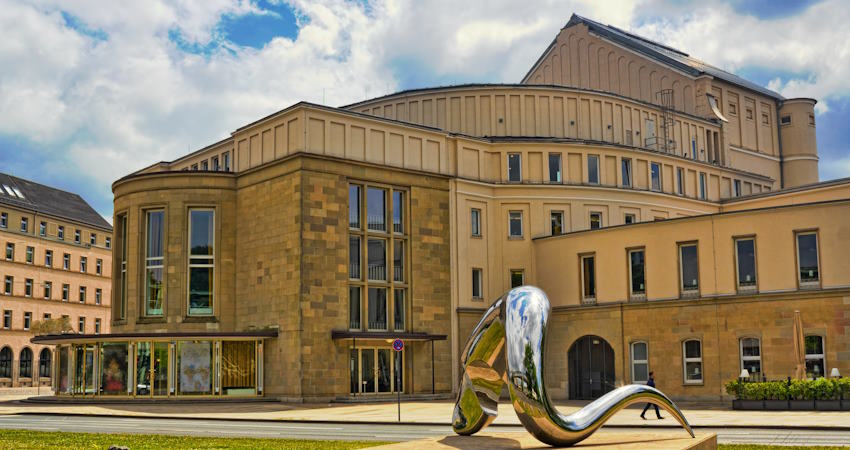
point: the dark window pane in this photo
(593, 169)
(200, 290)
(808, 252)
(398, 309)
(749, 347)
(354, 257)
(746, 262)
(376, 209)
(656, 177)
(814, 345)
(555, 167)
(155, 232)
(377, 255)
(517, 278)
(514, 167)
(354, 206)
(516, 224)
(377, 308)
(354, 307)
(636, 259)
(398, 261)
(398, 212)
(201, 223)
(692, 349)
(690, 268)
(589, 277)
(627, 172)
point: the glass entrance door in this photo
(160, 368)
(375, 370)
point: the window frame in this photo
(738, 286)
(475, 222)
(519, 167)
(552, 214)
(478, 275)
(626, 216)
(680, 181)
(652, 177)
(686, 360)
(148, 261)
(512, 272)
(742, 359)
(633, 361)
(583, 297)
(736, 188)
(560, 167)
(521, 234)
(590, 220)
(635, 296)
(626, 173)
(807, 284)
(596, 172)
(189, 258)
(683, 292)
(816, 356)
(703, 186)
(25, 225)
(121, 270)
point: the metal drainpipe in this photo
(779, 141)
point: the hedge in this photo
(819, 389)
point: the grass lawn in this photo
(772, 447)
(25, 439)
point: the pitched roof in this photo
(49, 201)
(660, 53)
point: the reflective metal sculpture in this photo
(507, 347)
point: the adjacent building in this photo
(56, 269)
(671, 210)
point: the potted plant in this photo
(776, 395)
(842, 387)
(825, 395)
(801, 397)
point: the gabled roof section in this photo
(660, 53)
(49, 201)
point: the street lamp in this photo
(745, 374)
(835, 373)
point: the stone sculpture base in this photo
(620, 440)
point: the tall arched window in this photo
(44, 365)
(25, 369)
(6, 362)
(692, 361)
(751, 357)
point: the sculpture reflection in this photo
(507, 346)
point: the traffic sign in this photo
(398, 345)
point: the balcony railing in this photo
(377, 223)
(398, 273)
(354, 271)
(377, 272)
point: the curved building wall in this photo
(799, 142)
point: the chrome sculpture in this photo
(507, 347)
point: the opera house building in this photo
(671, 211)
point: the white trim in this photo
(743, 359)
(686, 360)
(752, 153)
(802, 157)
(634, 361)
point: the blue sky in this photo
(92, 92)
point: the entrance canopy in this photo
(390, 335)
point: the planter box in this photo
(828, 405)
(801, 405)
(776, 405)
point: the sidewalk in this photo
(433, 412)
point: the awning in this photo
(403, 335)
(712, 102)
(80, 338)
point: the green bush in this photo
(819, 389)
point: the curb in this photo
(431, 424)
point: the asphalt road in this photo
(388, 432)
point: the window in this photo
(7, 285)
(380, 292)
(195, 167)
(765, 119)
(733, 109)
(517, 278)
(77, 236)
(477, 283)
(48, 289)
(475, 222)
(7, 319)
(82, 294)
(60, 233)
(98, 296)
(629, 218)
(28, 287)
(376, 209)
(48, 258)
(514, 168)
(555, 168)
(44, 365)
(680, 181)
(24, 224)
(121, 230)
(689, 269)
(29, 254)
(10, 251)
(226, 158)
(626, 169)
(737, 191)
(46, 316)
(807, 259)
(96, 326)
(66, 291)
(515, 224)
(749, 113)
(205, 165)
(108, 242)
(745, 259)
(692, 361)
(154, 262)
(556, 221)
(25, 363)
(66, 261)
(637, 274)
(6, 362)
(640, 363)
(27, 320)
(812, 119)
(4, 220)
(655, 170)
(93, 239)
(815, 357)
(98, 266)
(702, 186)
(84, 264)
(81, 324)
(785, 120)
(588, 279)
(215, 165)
(201, 261)
(694, 148)
(593, 169)
(595, 220)
(751, 357)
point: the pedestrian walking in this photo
(651, 383)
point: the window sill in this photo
(701, 383)
(475, 236)
(516, 238)
(155, 319)
(200, 319)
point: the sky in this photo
(91, 91)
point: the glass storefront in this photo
(376, 370)
(160, 368)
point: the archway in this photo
(591, 368)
